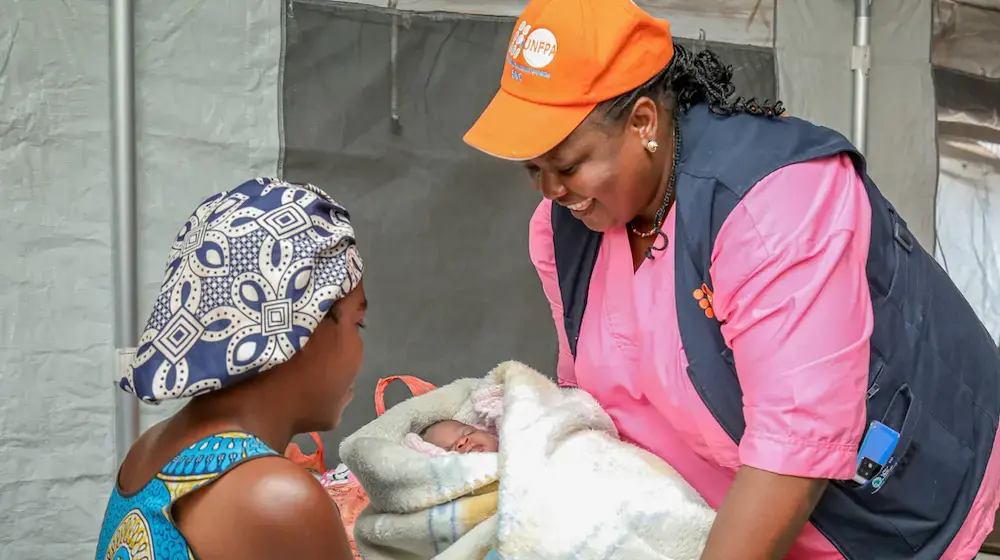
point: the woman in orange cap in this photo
(737, 294)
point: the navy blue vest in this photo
(934, 373)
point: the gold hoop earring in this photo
(652, 145)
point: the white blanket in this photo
(568, 488)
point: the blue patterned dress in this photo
(138, 526)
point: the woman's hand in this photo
(762, 515)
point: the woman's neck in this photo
(241, 410)
(645, 219)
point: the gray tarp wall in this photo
(207, 102)
(966, 56)
(441, 227)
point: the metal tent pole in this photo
(394, 66)
(861, 64)
(123, 218)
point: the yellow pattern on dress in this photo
(133, 535)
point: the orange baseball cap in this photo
(565, 57)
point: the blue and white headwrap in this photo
(248, 279)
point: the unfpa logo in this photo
(704, 297)
(517, 41)
(537, 46)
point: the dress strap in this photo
(210, 458)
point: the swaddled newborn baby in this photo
(455, 436)
(452, 436)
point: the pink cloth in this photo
(789, 274)
(488, 404)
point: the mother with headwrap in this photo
(737, 294)
(257, 322)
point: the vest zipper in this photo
(871, 391)
(873, 388)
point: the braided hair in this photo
(690, 79)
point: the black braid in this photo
(690, 79)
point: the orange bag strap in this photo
(416, 385)
(314, 461)
(319, 442)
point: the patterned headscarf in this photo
(248, 279)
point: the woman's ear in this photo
(644, 120)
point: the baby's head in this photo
(452, 435)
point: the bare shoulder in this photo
(266, 508)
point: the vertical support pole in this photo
(124, 231)
(861, 64)
(393, 68)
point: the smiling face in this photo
(602, 171)
(452, 435)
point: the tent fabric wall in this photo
(442, 228)
(738, 22)
(967, 80)
(55, 294)
(965, 37)
(204, 124)
(968, 205)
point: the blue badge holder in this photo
(876, 451)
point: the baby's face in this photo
(453, 435)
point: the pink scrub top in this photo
(790, 285)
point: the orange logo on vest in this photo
(704, 297)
